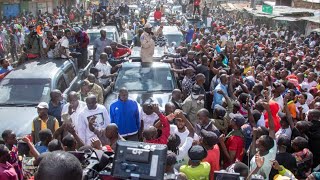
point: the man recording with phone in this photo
(92, 112)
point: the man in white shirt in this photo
(64, 44)
(147, 116)
(105, 70)
(92, 111)
(73, 108)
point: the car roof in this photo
(158, 52)
(139, 64)
(106, 28)
(40, 69)
(171, 30)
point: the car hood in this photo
(18, 119)
(159, 97)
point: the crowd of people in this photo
(248, 100)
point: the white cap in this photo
(147, 25)
(43, 105)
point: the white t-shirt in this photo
(105, 69)
(75, 115)
(148, 120)
(183, 135)
(102, 120)
(279, 101)
(287, 132)
(261, 122)
(182, 157)
(305, 108)
(64, 43)
(50, 52)
(267, 165)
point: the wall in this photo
(305, 4)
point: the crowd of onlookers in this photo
(248, 100)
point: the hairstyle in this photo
(6, 133)
(54, 145)
(68, 141)
(59, 165)
(171, 158)
(45, 134)
(267, 142)
(173, 143)
(300, 143)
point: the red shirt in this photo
(7, 172)
(120, 52)
(83, 39)
(157, 15)
(197, 2)
(163, 139)
(213, 158)
(235, 143)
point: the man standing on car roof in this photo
(147, 40)
(83, 40)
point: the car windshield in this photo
(94, 35)
(24, 91)
(145, 79)
(174, 38)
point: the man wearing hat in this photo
(43, 121)
(147, 44)
(193, 103)
(195, 168)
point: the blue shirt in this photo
(126, 115)
(55, 111)
(217, 98)
(41, 148)
(3, 70)
(189, 35)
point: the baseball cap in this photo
(86, 83)
(43, 105)
(219, 110)
(209, 137)
(237, 118)
(147, 25)
(197, 153)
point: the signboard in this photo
(267, 8)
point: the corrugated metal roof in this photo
(315, 19)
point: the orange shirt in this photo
(292, 109)
(213, 158)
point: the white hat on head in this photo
(43, 105)
(147, 25)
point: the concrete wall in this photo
(305, 4)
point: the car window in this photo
(70, 73)
(61, 84)
(24, 91)
(145, 79)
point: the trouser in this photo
(14, 54)
(83, 59)
(196, 8)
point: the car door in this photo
(71, 78)
(61, 83)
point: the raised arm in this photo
(272, 133)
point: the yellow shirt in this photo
(318, 86)
(200, 172)
(44, 124)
